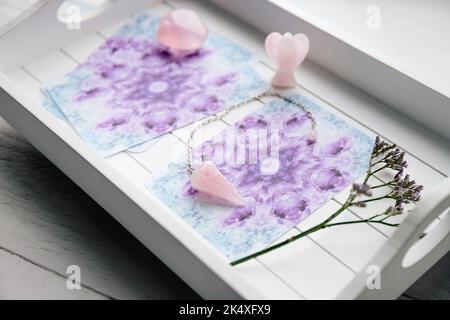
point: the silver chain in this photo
(224, 113)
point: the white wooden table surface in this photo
(47, 224)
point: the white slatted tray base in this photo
(318, 266)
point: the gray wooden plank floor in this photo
(47, 223)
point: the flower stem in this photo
(383, 185)
(303, 234)
(278, 245)
(387, 196)
(379, 169)
(363, 221)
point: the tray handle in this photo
(405, 257)
(40, 31)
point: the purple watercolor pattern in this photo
(131, 90)
(305, 177)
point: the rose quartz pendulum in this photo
(208, 179)
(289, 52)
(182, 31)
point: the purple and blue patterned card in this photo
(131, 90)
(283, 181)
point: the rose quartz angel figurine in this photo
(289, 51)
(182, 31)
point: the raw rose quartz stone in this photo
(289, 52)
(208, 179)
(182, 30)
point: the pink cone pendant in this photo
(289, 51)
(208, 179)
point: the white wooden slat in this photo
(240, 113)
(129, 167)
(317, 253)
(112, 29)
(201, 134)
(84, 47)
(156, 9)
(352, 244)
(36, 74)
(167, 148)
(266, 281)
(313, 272)
(51, 67)
(20, 279)
(31, 86)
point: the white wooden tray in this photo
(326, 265)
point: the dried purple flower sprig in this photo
(402, 189)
